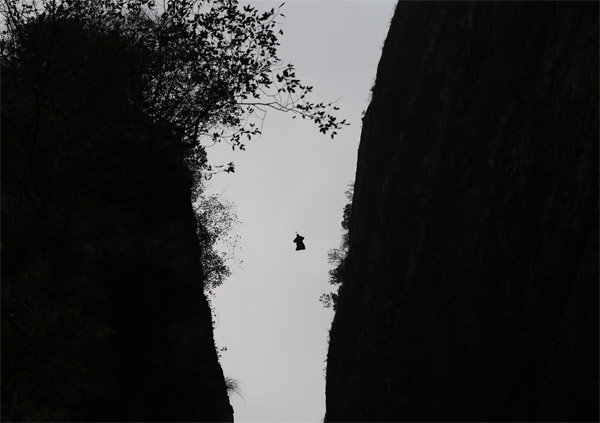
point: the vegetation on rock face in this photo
(107, 107)
(215, 219)
(233, 386)
(207, 67)
(337, 257)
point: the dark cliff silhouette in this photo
(470, 288)
(104, 317)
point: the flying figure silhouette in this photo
(299, 243)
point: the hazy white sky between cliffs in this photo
(293, 179)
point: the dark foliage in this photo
(215, 221)
(337, 257)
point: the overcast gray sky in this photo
(293, 179)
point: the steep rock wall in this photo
(472, 276)
(104, 314)
(104, 317)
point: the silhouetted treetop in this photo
(209, 69)
(337, 256)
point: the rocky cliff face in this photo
(104, 317)
(472, 287)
